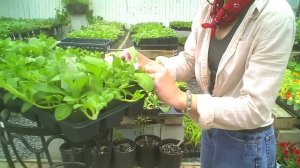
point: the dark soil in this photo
(101, 150)
(124, 147)
(73, 150)
(149, 141)
(171, 148)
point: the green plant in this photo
(150, 30)
(288, 154)
(182, 40)
(62, 17)
(142, 122)
(181, 25)
(182, 86)
(290, 85)
(297, 36)
(65, 81)
(192, 132)
(153, 102)
(100, 29)
(11, 26)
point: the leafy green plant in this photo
(11, 26)
(179, 25)
(290, 85)
(182, 40)
(192, 132)
(297, 36)
(142, 121)
(66, 81)
(149, 31)
(102, 30)
(153, 102)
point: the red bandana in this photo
(223, 16)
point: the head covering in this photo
(224, 13)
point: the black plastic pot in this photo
(123, 159)
(99, 155)
(167, 160)
(72, 155)
(147, 154)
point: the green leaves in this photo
(69, 80)
(145, 81)
(63, 111)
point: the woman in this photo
(238, 51)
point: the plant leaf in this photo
(63, 111)
(25, 107)
(145, 81)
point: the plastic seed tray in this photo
(101, 45)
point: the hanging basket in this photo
(77, 8)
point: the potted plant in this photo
(192, 138)
(72, 155)
(170, 153)
(124, 152)
(99, 154)
(77, 6)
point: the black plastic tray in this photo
(137, 109)
(170, 43)
(101, 45)
(83, 130)
(289, 108)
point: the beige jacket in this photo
(250, 71)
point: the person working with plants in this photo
(238, 51)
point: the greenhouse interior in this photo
(149, 84)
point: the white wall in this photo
(136, 11)
(126, 11)
(29, 8)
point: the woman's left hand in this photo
(165, 86)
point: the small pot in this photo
(124, 153)
(99, 156)
(71, 154)
(170, 158)
(147, 153)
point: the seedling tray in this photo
(138, 109)
(83, 130)
(289, 108)
(101, 45)
(158, 43)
